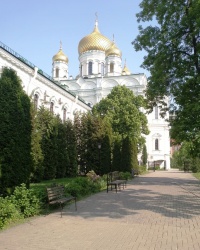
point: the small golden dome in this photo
(60, 56)
(113, 50)
(125, 71)
(94, 41)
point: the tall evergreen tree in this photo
(129, 155)
(37, 171)
(144, 155)
(48, 130)
(116, 161)
(62, 153)
(105, 155)
(15, 132)
(71, 140)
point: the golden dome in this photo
(125, 71)
(113, 50)
(94, 41)
(60, 56)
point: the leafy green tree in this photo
(122, 109)
(173, 46)
(15, 133)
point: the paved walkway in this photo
(158, 211)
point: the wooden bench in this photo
(56, 195)
(114, 180)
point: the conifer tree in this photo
(144, 155)
(62, 154)
(71, 141)
(48, 132)
(15, 132)
(116, 162)
(129, 155)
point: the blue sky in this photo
(34, 29)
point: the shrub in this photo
(142, 169)
(125, 175)
(83, 186)
(92, 176)
(78, 187)
(8, 212)
(26, 201)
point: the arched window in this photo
(156, 144)
(36, 97)
(102, 69)
(111, 67)
(64, 114)
(90, 68)
(57, 72)
(156, 112)
(51, 107)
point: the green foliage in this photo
(47, 125)
(173, 49)
(129, 155)
(62, 164)
(125, 175)
(25, 201)
(72, 161)
(183, 158)
(21, 204)
(37, 171)
(91, 130)
(9, 213)
(122, 110)
(92, 176)
(83, 186)
(144, 155)
(142, 169)
(15, 133)
(116, 161)
(105, 155)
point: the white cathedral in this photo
(100, 69)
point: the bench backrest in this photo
(55, 193)
(113, 176)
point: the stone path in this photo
(157, 211)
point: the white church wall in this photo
(48, 91)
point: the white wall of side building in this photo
(48, 91)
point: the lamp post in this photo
(99, 147)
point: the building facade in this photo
(100, 69)
(40, 87)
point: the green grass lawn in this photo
(39, 187)
(197, 175)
